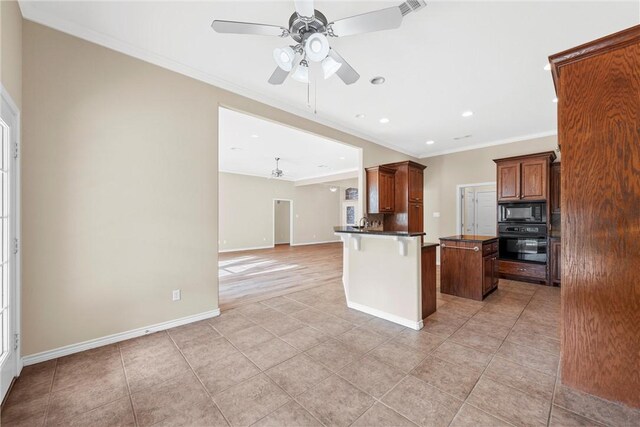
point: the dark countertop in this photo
(470, 238)
(429, 245)
(347, 229)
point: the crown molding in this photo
(491, 143)
(31, 12)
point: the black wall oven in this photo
(522, 212)
(523, 242)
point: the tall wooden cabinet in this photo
(524, 178)
(598, 87)
(407, 184)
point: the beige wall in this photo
(445, 172)
(246, 211)
(11, 49)
(120, 189)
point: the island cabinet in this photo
(555, 259)
(408, 214)
(468, 266)
(524, 178)
(381, 190)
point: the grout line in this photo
(126, 378)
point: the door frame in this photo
(16, 298)
(290, 220)
(459, 193)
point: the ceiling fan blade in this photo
(346, 73)
(383, 19)
(278, 77)
(235, 27)
(304, 8)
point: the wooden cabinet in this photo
(381, 190)
(524, 178)
(428, 268)
(597, 85)
(555, 259)
(408, 214)
(468, 266)
(554, 188)
(523, 271)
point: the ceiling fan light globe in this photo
(301, 74)
(284, 57)
(316, 47)
(330, 66)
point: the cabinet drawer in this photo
(533, 271)
(489, 248)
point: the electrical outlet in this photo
(436, 214)
(176, 295)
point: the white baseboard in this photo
(386, 316)
(110, 339)
(316, 243)
(246, 249)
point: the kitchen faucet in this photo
(366, 222)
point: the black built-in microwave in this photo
(523, 212)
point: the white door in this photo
(469, 213)
(486, 213)
(8, 278)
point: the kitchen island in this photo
(389, 274)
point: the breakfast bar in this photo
(389, 274)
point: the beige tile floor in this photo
(305, 359)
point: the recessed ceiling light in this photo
(360, 116)
(467, 114)
(554, 100)
(547, 67)
(341, 158)
(254, 135)
(378, 80)
(384, 120)
(430, 142)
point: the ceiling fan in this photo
(310, 30)
(277, 172)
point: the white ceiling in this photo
(248, 145)
(452, 56)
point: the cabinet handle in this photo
(388, 207)
(475, 248)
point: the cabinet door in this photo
(555, 259)
(487, 273)
(534, 179)
(416, 184)
(495, 270)
(508, 181)
(554, 188)
(416, 217)
(387, 192)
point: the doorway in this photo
(282, 224)
(10, 363)
(477, 209)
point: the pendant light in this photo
(301, 74)
(316, 47)
(284, 57)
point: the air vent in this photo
(458, 138)
(411, 6)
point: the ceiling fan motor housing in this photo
(301, 28)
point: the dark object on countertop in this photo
(357, 230)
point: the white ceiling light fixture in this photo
(277, 172)
(378, 80)
(309, 29)
(330, 66)
(316, 47)
(301, 74)
(467, 114)
(254, 135)
(333, 189)
(342, 157)
(384, 120)
(284, 57)
(431, 142)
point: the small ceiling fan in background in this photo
(310, 30)
(277, 172)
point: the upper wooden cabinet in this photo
(524, 178)
(381, 190)
(409, 197)
(554, 188)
